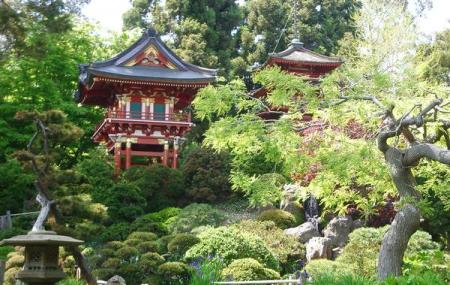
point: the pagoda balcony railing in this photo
(147, 116)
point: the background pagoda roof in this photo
(296, 53)
(162, 64)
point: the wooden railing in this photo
(138, 115)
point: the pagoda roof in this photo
(296, 53)
(148, 59)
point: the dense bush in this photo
(125, 202)
(174, 272)
(116, 231)
(318, 267)
(181, 243)
(425, 278)
(135, 258)
(159, 185)
(287, 249)
(281, 218)
(341, 278)
(248, 269)
(425, 261)
(230, 244)
(206, 175)
(4, 251)
(196, 215)
(361, 253)
(157, 222)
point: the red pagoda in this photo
(146, 90)
(299, 60)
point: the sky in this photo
(108, 13)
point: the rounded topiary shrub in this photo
(320, 267)
(148, 246)
(230, 244)
(181, 243)
(143, 236)
(281, 218)
(248, 269)
(174, 271)
(152, 260)
(196, 215)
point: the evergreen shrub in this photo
(286, 248)
(181, 243)
(281, 218)
(229, 244)
(174, 272)
(196, 215)
(248, 269)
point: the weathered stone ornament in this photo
(41, 256)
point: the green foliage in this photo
(422, 262)
(116, 231)
(248, 269)
(15, 186)
(425, 278)
(159, 185)
(4, 251)
(230, 244)
(174, 272)
(341, 278)
(157, 222)
(321, 267)
(196, 215)
(180, 243)
(206, 272)
(282, 219)
(285, 248)
(206, 175)
(361, 253)
(125, 202)
(434, 59)
(70, 281)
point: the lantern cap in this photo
(41, 238)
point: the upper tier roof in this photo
(148, 59)
(296, 53)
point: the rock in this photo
(304, 232)
(116, 280)
(290, 204)
(338, 230)
(318, 247)
(357, 224)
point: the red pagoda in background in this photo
(299, 60)
(146, 90)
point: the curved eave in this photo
(154, 81)
(305, 63)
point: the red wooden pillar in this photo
(166, 153)
(128, 154)
(175, 154)
(117, 149)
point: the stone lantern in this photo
(41, 256)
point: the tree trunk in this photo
(405, 223)
(395, 241)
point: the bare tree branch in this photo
(415, 153)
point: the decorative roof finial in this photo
(151, 32)
(296, 40)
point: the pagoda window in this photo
(159, 111)
(135, 110)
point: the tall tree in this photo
(271, 25)
(213, 23)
